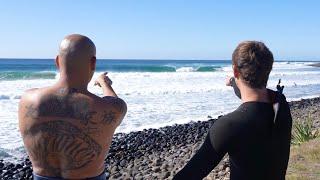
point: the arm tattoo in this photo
(121, 105)
(118, 103)
(62, 146)
(32, 112)
(108, 117)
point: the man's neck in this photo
(69, 83)
(254, 95)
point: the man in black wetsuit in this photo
(257, 134)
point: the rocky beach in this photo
(160, 153)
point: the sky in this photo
(161, 29)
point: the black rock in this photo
(18, 166)
(9, 172)
(123, 163)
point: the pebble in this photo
(123, 163)
(156, 169)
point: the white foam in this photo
(160, 99)
(186, 69)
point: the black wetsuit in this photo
(257, 146)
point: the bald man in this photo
(67, 130)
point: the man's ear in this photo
(93, 63)
(236, 73)
(57, 62)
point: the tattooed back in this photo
(67, 133)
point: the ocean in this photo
(158, 92)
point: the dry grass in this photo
(304, 161)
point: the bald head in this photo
(76, 46)
(77, 55)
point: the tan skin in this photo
(248, 94)
(67, 131)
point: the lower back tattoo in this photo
(60, 146)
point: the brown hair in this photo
(254, 62)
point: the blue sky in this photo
(161, 29)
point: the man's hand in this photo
(103, 80)
(228, 81)
(105, 83)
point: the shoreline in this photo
(160, 153)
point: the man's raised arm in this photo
(105, 83)
(111, 97)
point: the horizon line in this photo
(147, 59)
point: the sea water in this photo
(158, 92)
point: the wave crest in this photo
(15, 75)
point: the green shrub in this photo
(302, 131)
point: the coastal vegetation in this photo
(304, 162)
(303, 131)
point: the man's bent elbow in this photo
(121, 107)
(118, 106)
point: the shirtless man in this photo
(67, 130)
